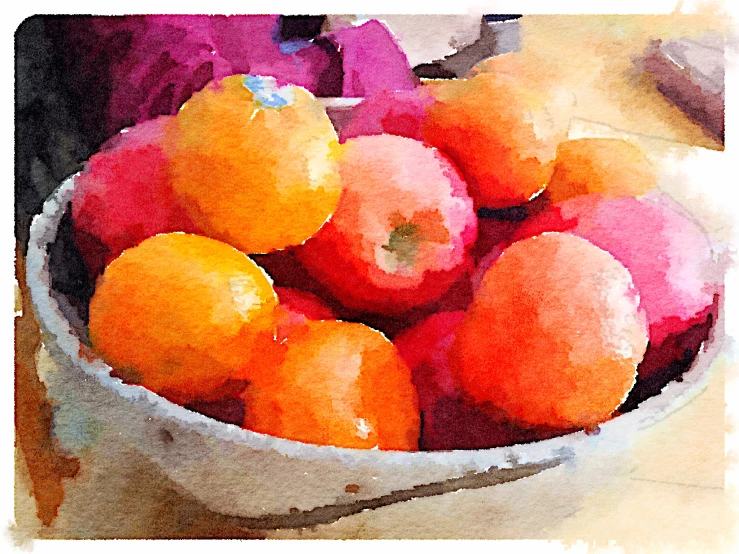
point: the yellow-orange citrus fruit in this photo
(182, 315)
(554, 334)
(341, 384)
(610, 167)
(253, 163)
(497, 134)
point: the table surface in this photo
(666, 488)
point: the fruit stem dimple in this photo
(403, 242)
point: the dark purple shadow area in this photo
(455, 423)
(670, 360)
(71, 279)
(229, 410)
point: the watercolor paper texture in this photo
(372, 277)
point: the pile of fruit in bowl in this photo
(439, 274)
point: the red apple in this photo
(123, 195)
(372, 60)
(400, 235)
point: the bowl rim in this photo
(60, 336)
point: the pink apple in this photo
(123, 195)
(667, 253)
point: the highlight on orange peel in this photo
(554, 334)
(253, 163)
(340, 384)
(182, 315)
(610, 167)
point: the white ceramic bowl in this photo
(270, 482)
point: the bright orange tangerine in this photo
(341, 384)
(182, 315)
(497, 134)
(253, 163)
(554, 334)
(607, 166)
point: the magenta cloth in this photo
(372, 60)
(171, 57)
(134, 68)
(129, 69)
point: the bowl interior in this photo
(61, 288)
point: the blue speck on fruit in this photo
(267, 94)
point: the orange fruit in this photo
(497, 134)
(182, 315)
(607, 166)
(253, 163)
(554, 334)
(341, 384)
